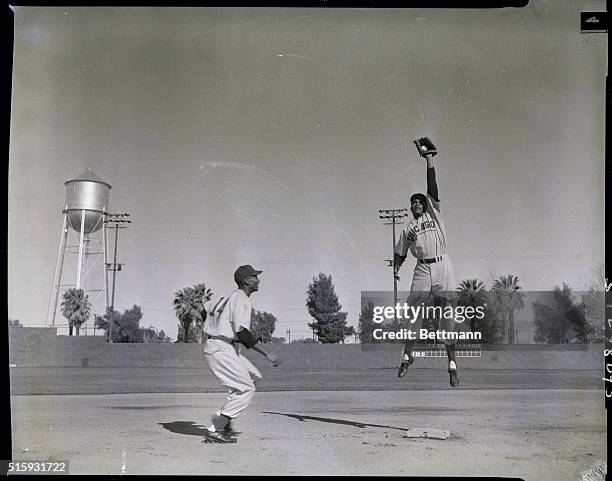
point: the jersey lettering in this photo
(430, 234)
(426, 225)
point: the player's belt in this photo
(431, 260)
(229, 340)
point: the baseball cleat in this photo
(218, 437)
(229, 427)
(454, 379)
(405, 365)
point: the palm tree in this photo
(471, 292)
(508, 298)
(188, 306)
(76, 308)
(201, 295)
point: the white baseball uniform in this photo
(225, 316)
(430, 243)
(433, 273)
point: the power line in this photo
(393, 214)
(118, 221)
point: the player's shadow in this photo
(184, 427)
(357, 424)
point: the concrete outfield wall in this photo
(319, 356)
(41, 347)
(32, 346)
(95, 352)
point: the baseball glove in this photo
(425, 147)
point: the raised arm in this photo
(432, 185)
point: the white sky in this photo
(273, 136)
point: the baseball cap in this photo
(419, 196)
(245, 271)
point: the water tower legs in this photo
(87, 262)
(81, 239)
(58, 274)
(105, 247)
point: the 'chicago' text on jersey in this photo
(426, 225)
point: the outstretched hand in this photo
(273, 358)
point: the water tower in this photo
(82, 254)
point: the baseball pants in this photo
(233, 371)
(432, 285)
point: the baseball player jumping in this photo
(434, 277)
(227, 326)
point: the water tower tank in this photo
(90, 193)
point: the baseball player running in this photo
(227, 326)
(434, 277)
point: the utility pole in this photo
(393, 214)
(116, 221)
